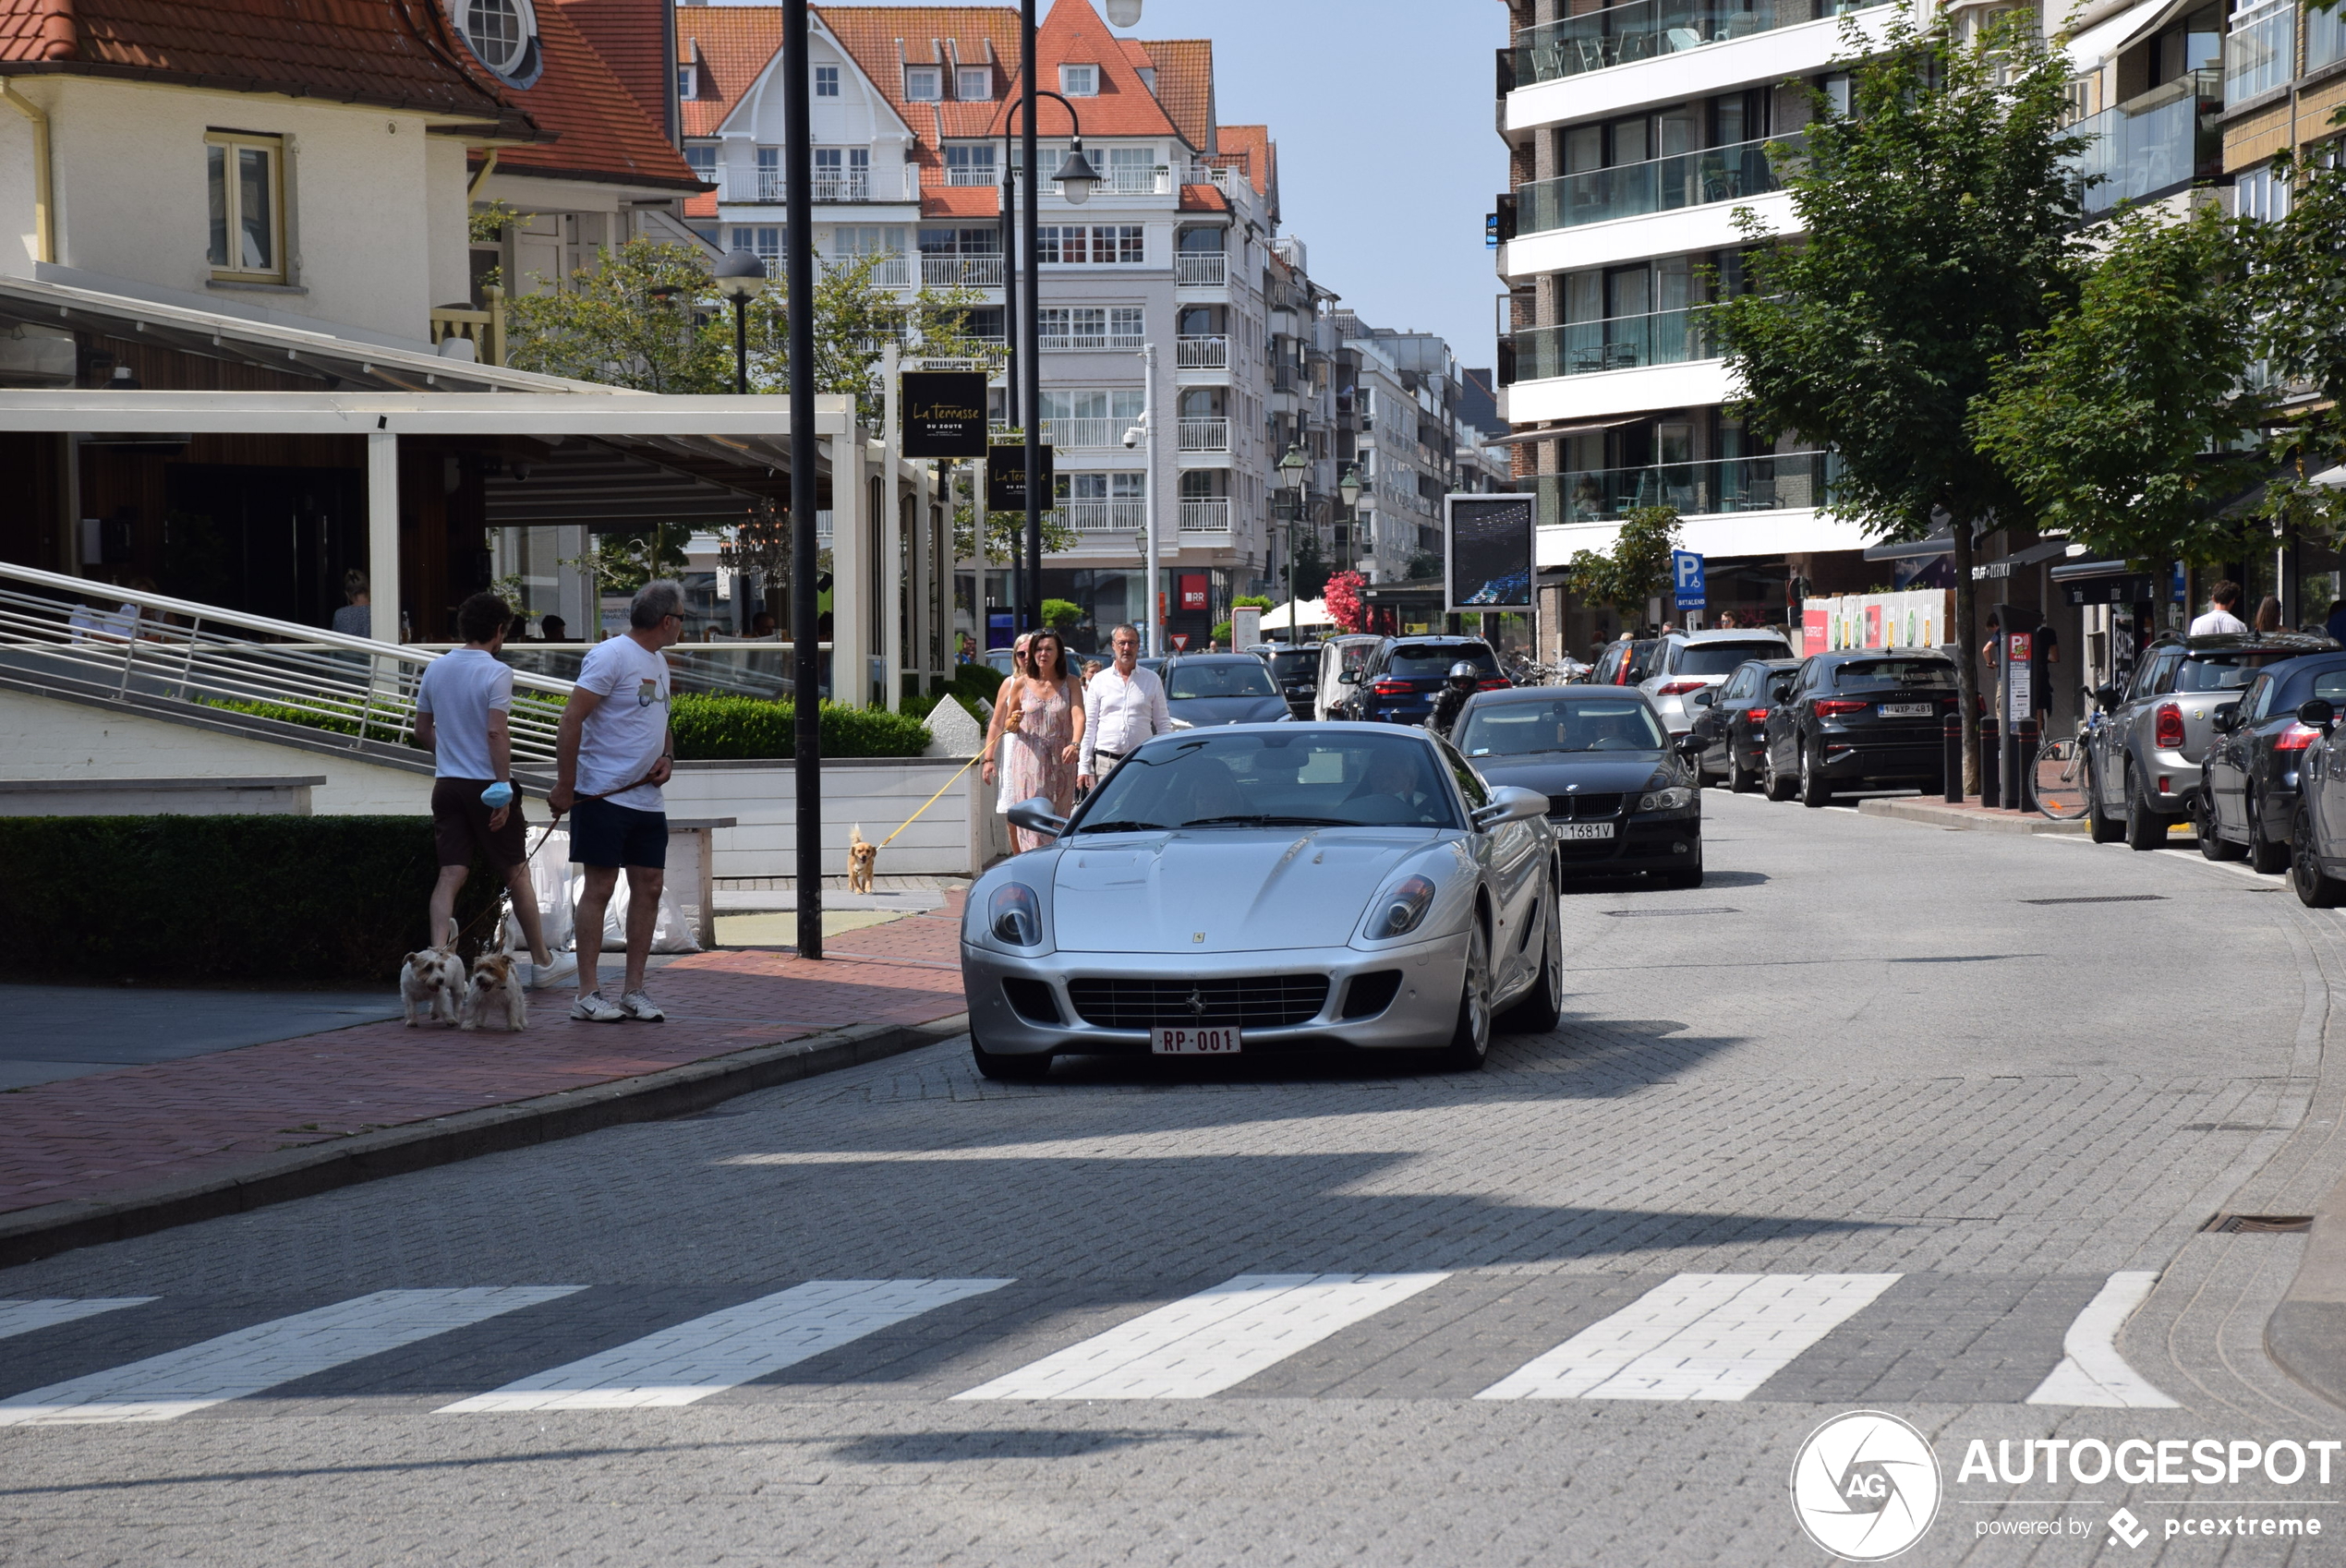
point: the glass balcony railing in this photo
(1646, 30)
(1657, 184)
(2158, 142)
(2259, 49)
(1664, 337)
(1781, 481)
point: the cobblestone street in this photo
(1883, 1116)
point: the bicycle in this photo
(2063, 775)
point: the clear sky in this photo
(1389, 158)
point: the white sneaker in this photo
(562, 970)
(592, 1008)
(642, 1008)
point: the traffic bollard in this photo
(1950, 757)
(1991, 796)
(2024, 737)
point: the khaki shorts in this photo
(460, 824)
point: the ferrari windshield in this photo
(1299, 778)
(1521, 728)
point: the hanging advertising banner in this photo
(945, 414)
(1488, 558)
(1006, 478)
(1193, 586)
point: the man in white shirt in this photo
(1123, 706)
(615, 751)
(462, 707)
(2224, 599)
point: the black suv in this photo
(1399, 683)
(1858, 719)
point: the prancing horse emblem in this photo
(1197, 1004)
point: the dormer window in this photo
(1079, 81)
(827, 81)
(924, 84)
(502, 35)
(973, 84)
(689, 81)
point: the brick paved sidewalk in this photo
(108, 1132)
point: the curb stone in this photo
(32, 1234)
(1939, 815)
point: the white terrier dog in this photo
(429, 981)
(496, 997)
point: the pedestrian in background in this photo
(615, 751)
(463, 717)
(2269, 614)
(1045, 729)
(2335, 624)
(1123, 706)
(2223, 603)
(355, 618)
(554, 629)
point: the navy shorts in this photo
(603, 834)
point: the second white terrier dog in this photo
(431, 980)
(495, 996)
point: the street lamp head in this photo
(741, 275)
(1076, 176)
(1124, 13)
(1293, 463)
(1349, 485)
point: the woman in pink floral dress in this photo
(1048, 709)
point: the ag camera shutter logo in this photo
(1866, 1486)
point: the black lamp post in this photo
(1348, 489)
(1291, 468)
(805, 655)
(741, 277)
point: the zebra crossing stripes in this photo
(2091, 1371)
(692, 1360)
(1203, 1344)
(23, 1316)
(234, 1365)
(1698, 1336)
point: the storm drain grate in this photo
(2258, 1224)
(2105, 898)
(1659, 914)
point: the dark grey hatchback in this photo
(2249, 782)
(1622, 798)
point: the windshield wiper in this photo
(1122, 828)
(1261, 821)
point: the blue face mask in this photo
(497, 795)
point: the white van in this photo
(1336, 656)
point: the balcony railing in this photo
(1070, 434)
(1657, 184)
(961, 271)
(1217, 176)
(1200, 269)
(1642, 29)
(2260, 49)
(1204, 435)
(1122, 516)
(1201, 353)
(834, 186)
(2158, 142)
(1727, 484)
(1664, 337)
(1130, 181)
(1206, 516)
(1105, 337)
(980, 174)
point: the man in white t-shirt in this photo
(2223, 617)
(462, 708)
(613, 754)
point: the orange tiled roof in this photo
(1185, 87)
(732, 45)
(399, 56)
(604, 132)
(1074, 34)
(967, 202)
(929, 35)
(1261, 153)
(1203, 199)
(701, 206)
(628, 35)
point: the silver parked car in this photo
(2143, 761)
(1687, 662)
(1256, 887)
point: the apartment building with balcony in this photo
(1406, 423)
(1167, 259)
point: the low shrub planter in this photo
(714, 728)
(224, 899)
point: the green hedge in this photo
(710, 729)
(204, 899)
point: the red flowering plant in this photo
(1342, 599)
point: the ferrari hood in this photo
(1224, 890)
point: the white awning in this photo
(1311, 612)
(2097, 43)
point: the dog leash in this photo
(547, 832)
(932, 799)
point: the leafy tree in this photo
(1307, 573)
(1254, 601)
(487, 223)
(2296, 291)
(1938, 221)
(1062, 615)
(2122, 421)
(1638, 567)
(621, 563)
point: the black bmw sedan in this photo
(1621, 798)
(1856, 719)
(2249, 783)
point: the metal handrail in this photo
(179, 651)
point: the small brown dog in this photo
(861, 858)
(495, 996)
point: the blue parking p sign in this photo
(1686, 577)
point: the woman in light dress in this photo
(997, 750)
(1042, 713)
